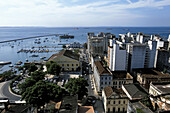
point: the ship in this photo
(66, 37)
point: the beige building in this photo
(120, 78)
(114, 100)
(68, 60)
(146, 76)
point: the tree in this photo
(41, 92)
(77, 86)
(32, 68)
(53, 68)
(35, 77)
(28, 83)
(64, 46)
(85, 45)
(38, 75)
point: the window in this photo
(118, 109)
(114, 109)
(109, 83)
(119, 101)
(124, 102)
(108, 110)
(113, 102)
(105, 78)
(72, 69)
(76, 64)
(102, 83)
(105, 82)
(108, 102)
(62, 64)
(109, 78)
(67, 64)
(72, 64)
(123, 109)
(102, 78)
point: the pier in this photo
(31, 37)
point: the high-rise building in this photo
(116, 57)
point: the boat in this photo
(19, 63)
(67, 37)
(34, 56)
(11, 65)
(42, 57)
(4, 62)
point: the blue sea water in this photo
(7, 53)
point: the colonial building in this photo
(68, 60)
(160, 95)
(120, 78)
(102, 76)
(134, 91)
(146, 76)
(114, 100)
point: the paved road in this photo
(5, 93)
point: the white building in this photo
(151, 56)
(136, 55)
(116, 57)
(102, 76)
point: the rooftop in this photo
(164, 87)
(67, 53)
(109, 91)
(18, 108)
(135, 91)
(121, 74)
(151, 73)
(101, 69)
(86, 109)
(69, 104)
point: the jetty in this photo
(31, 37)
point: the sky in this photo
(77, 13)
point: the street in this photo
(5, 93)
(88, 75)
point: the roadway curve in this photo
(6, 93)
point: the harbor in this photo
(36, 48)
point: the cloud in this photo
(56, 13)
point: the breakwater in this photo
(30, 38)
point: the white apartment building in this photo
(98, 45)
(136, 55)
(116, 57)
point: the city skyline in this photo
(77, 13)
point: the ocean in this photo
(8, 50)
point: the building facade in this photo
(114, 101)
(67, 60)
(160, 95)
(116, 57)
(102, 76)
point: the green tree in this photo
(32, 68)
(53, 68)
(77, 86)
(41, 92)
(85, 45)
(38, 75)
(28, 83)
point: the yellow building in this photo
(114, 100)
(68, 60)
